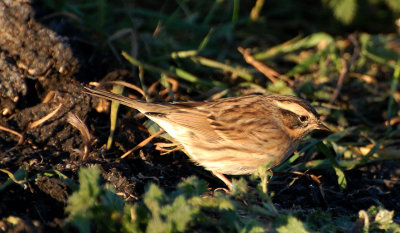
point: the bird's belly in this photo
(175, 131)
(236, 161)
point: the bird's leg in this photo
(165, 147)
(223, 178)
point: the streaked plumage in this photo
(232, 135)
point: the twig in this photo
(346, 67)
(142, 144)
(270, 73)
(342, 74)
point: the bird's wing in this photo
(251, 122)
(237, 125)
(246, 128)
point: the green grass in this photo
(95, 208)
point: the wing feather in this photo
(242, 123)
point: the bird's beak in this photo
(321, 126)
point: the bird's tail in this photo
(133, 103)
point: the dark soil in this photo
(42, 68)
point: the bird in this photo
(233, 135)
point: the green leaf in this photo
(191, 187)
(239, 188)
(179, 214)
(384, 217)
(295, 44)
(281, 88)
(253, 227)
(80, 202)
(292, 225)
(19, 177)
(92, 203)
(394, 5)
(117, 89)
(153, 198)
(344, 10)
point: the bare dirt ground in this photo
(43, 65)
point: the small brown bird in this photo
(231, 135)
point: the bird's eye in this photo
(303, 118)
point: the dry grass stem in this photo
(270, 73)
(345, 69)
(12, 177)
(50, 95)
(142, 144)
(45, 118)
(129, 85)
(21, 136)
(86, 136)
(173, 82)
(121, 83)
